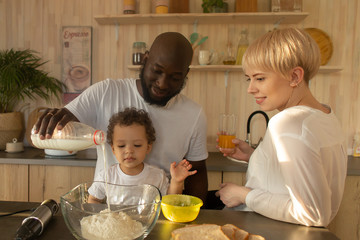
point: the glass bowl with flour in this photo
(130, 212)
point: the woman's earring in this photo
(294, 84)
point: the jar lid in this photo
(129, 2)
(139, 44)
(161, 3)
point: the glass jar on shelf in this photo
(138, 52)
(286, 5)
(229, 58)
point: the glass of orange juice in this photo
(227, 130)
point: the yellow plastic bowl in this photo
(180, 207)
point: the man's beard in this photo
(146, 92)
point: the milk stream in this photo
(106, 176)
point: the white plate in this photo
(53, 152)
(236, 160)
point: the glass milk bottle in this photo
(243, 44)
(75, 136)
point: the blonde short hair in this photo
(282, 50)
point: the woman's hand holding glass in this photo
(241, 151)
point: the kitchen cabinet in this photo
(214, 180)
(35, 183)
(234, 177)
(53, 181)
(30, 176)
(346, 224)
(14, 182)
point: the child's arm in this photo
(179, 173)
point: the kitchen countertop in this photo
(87, 158)
(249, 221)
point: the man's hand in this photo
(51, 118)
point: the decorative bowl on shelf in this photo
(323, 41)
(133, 212)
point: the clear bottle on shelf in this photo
(356, 145)
(75, 136)
(242, 46)
(229, 57)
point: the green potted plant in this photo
(212, 6)
(21, 78)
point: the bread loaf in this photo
(235, 233)
(214, 232)
(256, 237)
(198, 232)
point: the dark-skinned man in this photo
(179, 122)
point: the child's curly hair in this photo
(129, 117)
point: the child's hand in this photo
(181, 171)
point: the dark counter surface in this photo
(87, 158)
(249, 221)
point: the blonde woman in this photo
(298, 171)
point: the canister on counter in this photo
(139, 49)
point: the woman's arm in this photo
(308, 199)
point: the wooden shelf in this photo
(204, 18)
(238, 68)
(330, 69)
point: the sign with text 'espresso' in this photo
(76, 60)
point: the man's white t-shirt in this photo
(149, 175)
(298, 171)
(180, 126)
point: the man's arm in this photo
(197, 184)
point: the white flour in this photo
(110, 225)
